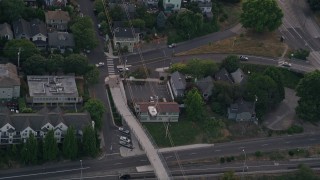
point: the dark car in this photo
(125, 176)
(124, 131)
(125, 144)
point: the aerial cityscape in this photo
(160, 89)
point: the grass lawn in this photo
(266, 44)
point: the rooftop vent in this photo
(152, 110)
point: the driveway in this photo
(283, 117)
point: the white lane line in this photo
(218, 150)
(193, 153)
(264, 144)
(43, 173)
(143, 160)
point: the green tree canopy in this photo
(55, 63)
(89, 141)
(277, 76)
(189, 23)
(96, 109)
(194, 105)
(29, 150)
(138, 23)
(92, 75)
(231, 63)
(314, 5)
(201, 68)
(84, 33)
(193, 6)
(35, 65)
(11, 10)
(70, 145)
(50, 146)
(305, 172)
(98, 5)
(28, 49)
(117, 13)
(261, 15)
(229, 175)
(161, 20)
(309, 103)
(76, 63)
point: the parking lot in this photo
(142, 91)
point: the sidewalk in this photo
(109, 54)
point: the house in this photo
(61, 41)
(178, 84)
(38, 33)
(157, 112)
(56, 3)
(52, 90)
(223, 75)
(57, 20)
(238, 77)
(124, 37)
(16, 128)
(242, 111)
(206, 86)
(9, 81)
(205, 7)
(5, 31)
(31, 3)
(21, 29)
(151, 3)
(171, 5)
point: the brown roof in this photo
(161, 106)
(9, 75)
(57, 15)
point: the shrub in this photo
(258, 153)
(295, 129)
(301, 54)
(291, 153)
(222, 160)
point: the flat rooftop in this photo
(50, 86)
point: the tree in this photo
(35, 65)
(50, 146)
(194, 105)
(92, 75)
(70, 145)
(89, 141)
(76, 63)
(194, 7)
(161, 20)
(11, 10)
(277, 76)
(30, 150)
(84, 34)
(54, 63)
(32, 13)
(201, 68)
(263, 89)
(229, 175)
(309, 102)
(138, 23)
(179, 67)
(98, 6)
(231, 63)
(117, 13)
(261, 15)
(27, 49)
(305, 172)
(189, 23)
(314, 5)
(96, 109)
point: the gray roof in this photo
(223, 75)
(61, 39)
(179, 80)
(241, 106)
(125, 32)
(205, 84)
(8, 75)
(36, 120)
(38, 27)
(52, 86)
(238, 76)
(21, 26)
(5, 29)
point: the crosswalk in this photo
(110, 66)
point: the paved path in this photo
(120, 101)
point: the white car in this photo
(125, 131)
(100, 64)
(122, 69)
(172, 45)
(125, 139)
(243, 58)
(286, 64)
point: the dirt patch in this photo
(266, 44)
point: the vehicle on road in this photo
(125, 139)
(243, 58)
(122, 130)
(100, 64)
(122, 69)
(124, 144)
(286, 64)
(172, 45)
(124, 176)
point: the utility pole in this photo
(19, 58)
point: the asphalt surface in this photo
(115, 165)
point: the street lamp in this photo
(244, 162)
(81, 169)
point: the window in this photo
(48, 127)
(60, 126)
(39, 38)
(7, 127)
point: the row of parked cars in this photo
(125, 141)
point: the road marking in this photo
(43, 173)
(143, 160)
(264, 144)
(218, 150)
(193, 153)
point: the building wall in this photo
(176, 3)
(129, 42)
(161, 117)
(16, 91)
(39, 37)
(6, 93)
(48, 99)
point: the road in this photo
(116, 165)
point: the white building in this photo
(172, 5)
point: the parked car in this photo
(243, 58)
(172, 45)
(122, 130)
(127, 145)
(100, 64)
(122, 69)
(125, 139)
(286, 64)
